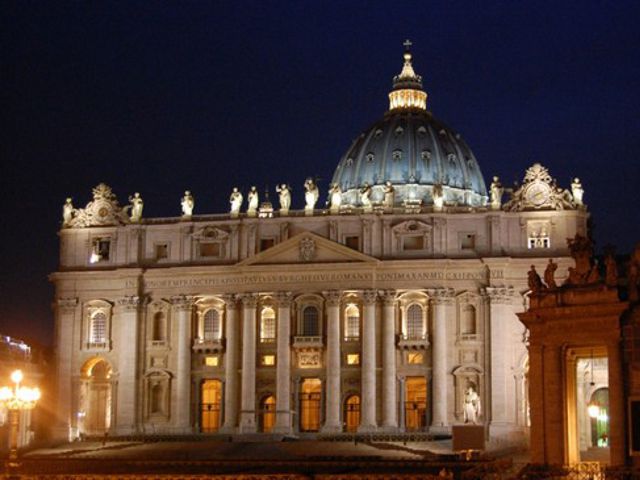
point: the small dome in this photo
(413, 150)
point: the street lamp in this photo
(16, 400)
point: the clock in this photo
(537, 194)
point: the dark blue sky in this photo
(158, 97)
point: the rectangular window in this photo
(468, 241)
(413, 243)
(539, 242)
(209, 249)
(415, 358)
(100, 250)
(162, 251)
(353, 359)
(352, 242)
(212, 361)
(268, 360)
(266, 243)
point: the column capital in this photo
(131, 302)
(332, 297)
(249, 300)
(229, 300)
(442, 296)
(388, 297)
(369, 297)
(183, 302)
(67, 304)
(283, 299)
(502, 295)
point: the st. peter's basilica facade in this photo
(392, 309)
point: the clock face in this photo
(537, 194)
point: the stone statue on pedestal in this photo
(136, 207)
(187, 203)
(67, 212)
(577, 191)
(549, 274)
(285, 197)
(235, 199)
(311, 194)
(495, 191)
(335, 198)
(471, 406)
(389, 195)
(438, 197)
(365, 196)
(534, 281)
(252, 202)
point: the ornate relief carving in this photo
(307, 248)
(502, 295)
(442, 296)
(230, 301)
(211, 233)
(284, 299)
(102, 210)
(249, 300)
(369, 297)
(332, 297)
(309, 358)
(539, 191)
(388, 296)
(130, 302)
(183, 302)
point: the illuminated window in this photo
(352, 323)
(415, 324)
(268, 325)
(100, 250)
(539, 242)
(268, 360)
(211, 325)
(415, 358)
(211, 361)
(353, 359)
(99, 328)
(310, 322)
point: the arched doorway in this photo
(599, 417)
(310, 394)
(352, 413)
(97, 401)
(267, 413)
(210, 395)
(415, 405)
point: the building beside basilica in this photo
(388, 311)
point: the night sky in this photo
(159, 97)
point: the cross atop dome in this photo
(407, 87)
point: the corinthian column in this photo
(231, 366)
(389, 401)
(368, 373)
(65, 314)
(283, 367)
(332, 414)
(183, 306)
(248, 397)
(442, 302)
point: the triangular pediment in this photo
(308, 248)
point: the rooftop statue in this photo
(335, 198)
(136, 207)
(252, 202)
(634, 275)
(584, 272)
(495, 192)
(611, 268)
(534, 281)
(365, 197)
(187, 203)
(389, 195)
(68, 212)
(235, 199)
(311, 194)
(549, 274)
(438, 197)
(577, 191)
(285, 198)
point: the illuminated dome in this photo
(413, 150)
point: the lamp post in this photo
(16, 400)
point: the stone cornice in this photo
(502, 295)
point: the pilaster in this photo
(66, 309)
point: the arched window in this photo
(156, 399)
(352, 322)
(267, 413)
(310, 322)
(468, 320)
(99, 328)
(211, 325)
(159, 328)
(352, 413)
(268, 325)
(415, 324)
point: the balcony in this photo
(413, 342)
(210, 345)
(307, 341)
(103, 345)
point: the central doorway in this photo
(211, 394)
(310, 395)
(415, 405)
(352, 413)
